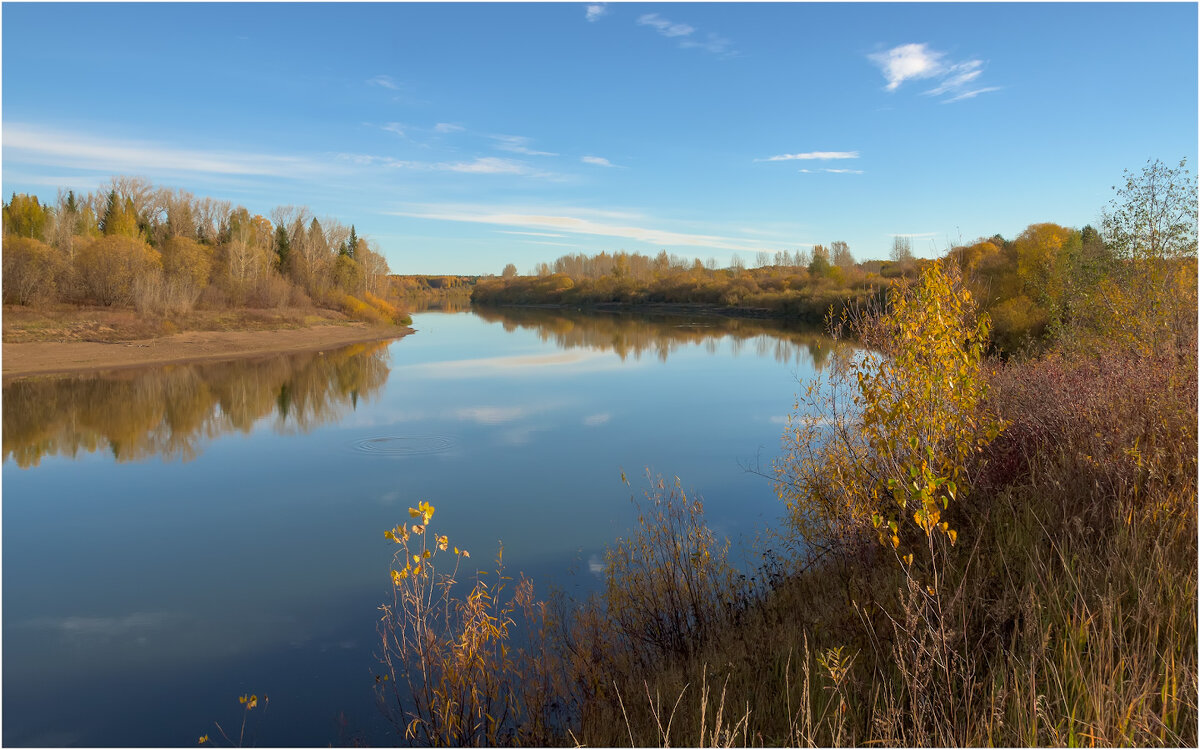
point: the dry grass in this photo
(1065, 615)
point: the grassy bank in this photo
(984, 553)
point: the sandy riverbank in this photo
(43, 357)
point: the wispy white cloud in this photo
(832, 171)
(82, 183)
(957, 80)
(813, 155)
(595, 11)
(970, 94)
(486, 165)
(518, 144)
(534, 219)
(957, 76)
(598, 161)
(385, 81)
(395, 127)
(552, 244)
(687, 36)
(532, 234)
(596, 420)
(663, 26)
(37, 145)
(714, 43)
(448, 127)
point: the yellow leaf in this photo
(953, 536)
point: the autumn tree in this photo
(347, 275)
(901, 249)
(108, 266)
(1153, 215)
(178, 217)
(839, 255)
(374, 268)
(119, 217)
(509, 271)
(1043, 253)
(819, 265)
(187, 260)
(32, 270)
(1150, 226)
(24, 216)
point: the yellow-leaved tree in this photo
(887, 441)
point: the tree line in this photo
(801, 285)
(164, 250)
(1031, 286)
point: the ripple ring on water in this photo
(405, 445)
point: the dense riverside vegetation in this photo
(425, 292)
(975, 551)
(1030, 286)
(802, 286)
(166, 252)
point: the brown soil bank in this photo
(55, 343)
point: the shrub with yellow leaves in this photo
(889, 440)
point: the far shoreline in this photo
(28, 359)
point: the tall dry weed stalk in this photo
(455, 672)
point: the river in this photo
(177, 537)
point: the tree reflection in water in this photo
(635, 334)
(167, 411)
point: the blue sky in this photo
(460, 137)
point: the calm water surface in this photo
(176, 537)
